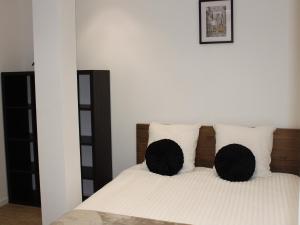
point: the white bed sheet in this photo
(200, 198)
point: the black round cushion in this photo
(164, 157)
(235, 162)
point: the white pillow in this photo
(259, 140)
(186, 136)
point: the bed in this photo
(200, 197)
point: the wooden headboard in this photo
(285, 154)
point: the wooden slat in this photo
(285, 155)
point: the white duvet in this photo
(200, 198)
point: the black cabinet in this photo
(95, 129)
(19, 117)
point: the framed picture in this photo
(216, 21)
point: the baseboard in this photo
(3, 201)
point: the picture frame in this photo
(216, 21)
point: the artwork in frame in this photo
(216, 21)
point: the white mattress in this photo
(200, 198)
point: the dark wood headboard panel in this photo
(285, 154)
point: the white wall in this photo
(159, 72)
(57, 106)
(16, 53)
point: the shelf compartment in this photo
(18, 123)
(84, 83)
(21, 188)
(20, 155)
(21, 97)
(87, 187)
(86, 140)
(86, 123)
(86, 155)
(87, 173)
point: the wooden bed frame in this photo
(285, 154)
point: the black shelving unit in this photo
(19, 116)
(95, 129)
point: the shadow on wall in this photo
(296, 63)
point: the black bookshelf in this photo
(95, 129)
(21, 147)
